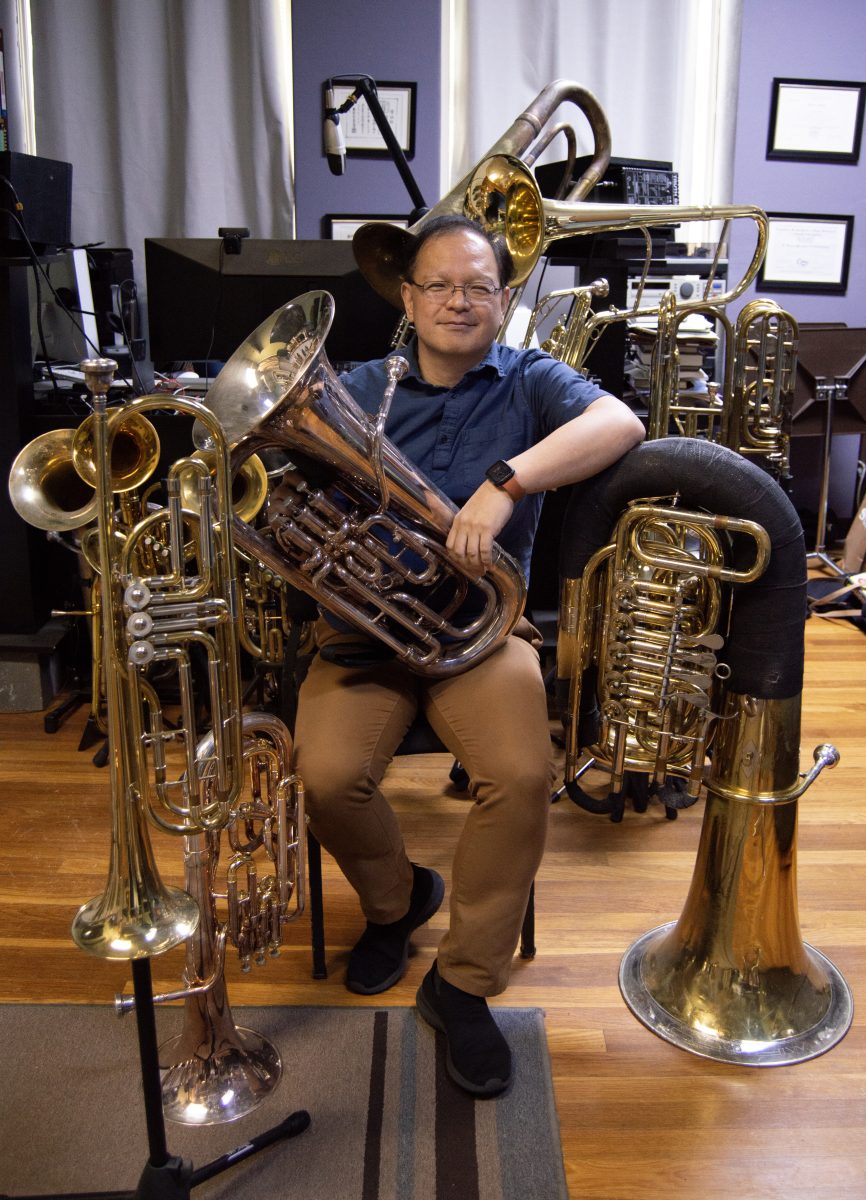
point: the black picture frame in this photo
(360, 131)
(807, 252)
(816, 120)
(341, 226)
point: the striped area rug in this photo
(387, 1122)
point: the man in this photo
(493, 428)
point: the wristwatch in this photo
(503, 477)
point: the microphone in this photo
(335, 145)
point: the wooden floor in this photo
(640, 1118)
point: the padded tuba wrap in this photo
(765, 644)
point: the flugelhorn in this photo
(695, 654)
(353, 523)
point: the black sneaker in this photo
(478, 1057)
(381, 954)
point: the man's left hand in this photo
(476, 526)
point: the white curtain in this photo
(664, 71)
(175, 115)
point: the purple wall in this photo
(392, 42)
(801, 40)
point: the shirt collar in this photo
(491, 363)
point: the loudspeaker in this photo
(44, 187)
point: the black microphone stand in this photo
(165, 1176)
(365, 87)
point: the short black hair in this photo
(455, 222)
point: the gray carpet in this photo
(385, 1126)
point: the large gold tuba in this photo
(694, 608)
(353, 523)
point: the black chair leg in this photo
(527, 932)
(317, 912)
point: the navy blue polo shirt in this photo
(508, 402)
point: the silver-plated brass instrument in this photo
(353, 523)
(682, 638)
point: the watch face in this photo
(499, 473)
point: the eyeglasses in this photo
(438, 292)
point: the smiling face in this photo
(454, 336)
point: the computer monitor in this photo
(68, 321)
(202, 302)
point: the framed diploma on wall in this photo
(816, 120)
(806, 252)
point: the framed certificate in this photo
(341, 226)
(360, 131)
(816, 120)
(806, 253)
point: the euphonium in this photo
(680, 663)
(673, 408)
(353, 523)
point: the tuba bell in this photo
(700, 652)
(353, 523)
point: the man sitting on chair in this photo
(493, 428)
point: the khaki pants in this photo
(493, 718)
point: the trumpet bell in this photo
(134, 450)
(45, 488)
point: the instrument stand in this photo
(828, 393)
(165, 1176)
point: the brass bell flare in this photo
(382, 251)
(135, 918)
(226, 1080)
(732, 979)
(505, 199)
(45, 488)
(134, 450)
(249, 485)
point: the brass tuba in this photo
(353, 523)
(380, 248)
(695, 610)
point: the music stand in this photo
(829, 373)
